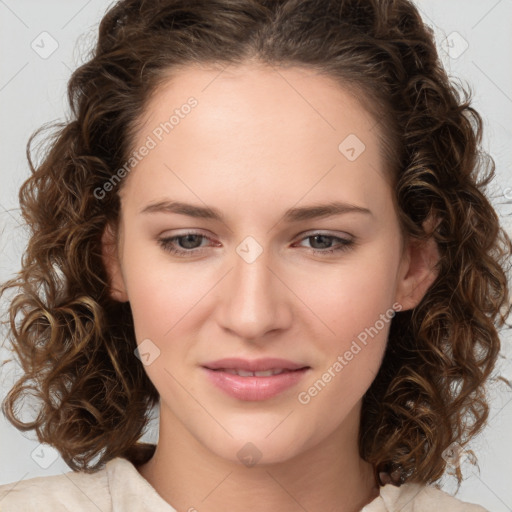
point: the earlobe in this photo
(112, 265)
(418, 272)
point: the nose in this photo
(254, 299)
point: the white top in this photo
(119, 487)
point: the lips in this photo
(257, 379)
(255, 365)
(263, 373)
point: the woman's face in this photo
(260, 148)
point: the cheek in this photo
(355, 308)
(352, 349)
(350, 297)
(160, 293)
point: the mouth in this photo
(257, 385)
(262, 373)
(272, 364)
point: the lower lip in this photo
(254, 388)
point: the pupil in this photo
(326, 239)
(188, 239)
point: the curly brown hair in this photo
(75, 343)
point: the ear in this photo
(418, 269)
(110, 256)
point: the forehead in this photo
(269, 129)
(252, 96)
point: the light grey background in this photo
(476, 42)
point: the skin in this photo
(252, 148)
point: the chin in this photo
(256, 446)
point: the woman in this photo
(179, 223)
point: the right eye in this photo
(190, 239)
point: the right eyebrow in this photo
(190, 210)
(297, 214)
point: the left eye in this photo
(189, 243)
(343, 243)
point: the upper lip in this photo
(255, 365)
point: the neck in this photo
(329, 476)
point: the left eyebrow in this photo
(297, 214)
(319, 211)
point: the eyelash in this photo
(167, 244)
